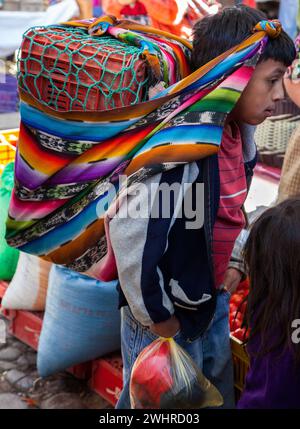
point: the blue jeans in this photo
(211, 352)
(288, 16)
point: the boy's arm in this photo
(139, 244)
(236, 270)
(237, 259)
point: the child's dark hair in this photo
(272, 255)
(215, 34)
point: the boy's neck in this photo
(231, 127)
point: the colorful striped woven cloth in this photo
(68, 163)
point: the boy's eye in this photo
(273, 81)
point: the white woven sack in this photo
(28, 288)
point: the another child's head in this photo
(272, 255)
(216, 34)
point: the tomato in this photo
(232, 307)
(244, 284)
(243, 307)
(237, 314)
(235, 320)
(236, 299)
(234, 325)
(240, 334)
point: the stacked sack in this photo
(28, 288)
(81, 321)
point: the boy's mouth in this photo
(269, 112)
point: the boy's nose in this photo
(279, 92)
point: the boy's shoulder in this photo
(244, 134)
(232, 131)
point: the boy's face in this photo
(265, 88)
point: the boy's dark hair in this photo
(215, 34)
(272, 255)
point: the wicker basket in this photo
(286, 107)
(240, 365)
(272, 138)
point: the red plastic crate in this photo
(41, 63)
(107, 379)
(26, 326)
(83, 371)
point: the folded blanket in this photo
(68, 163)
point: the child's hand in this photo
(232, 279)
(166, 329)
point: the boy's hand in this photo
(166, 329)
(232, 279)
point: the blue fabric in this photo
(81, 321)
(71, 129)
(97, 11)
(288, 13)
(211, 352)
(174, 135)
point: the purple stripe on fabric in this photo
(26, 175)
(85, 172)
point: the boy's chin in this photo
(256, 121)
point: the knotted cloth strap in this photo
(272, 28)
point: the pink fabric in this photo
(233, 193)
(106, 269)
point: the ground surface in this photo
(21, 387)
